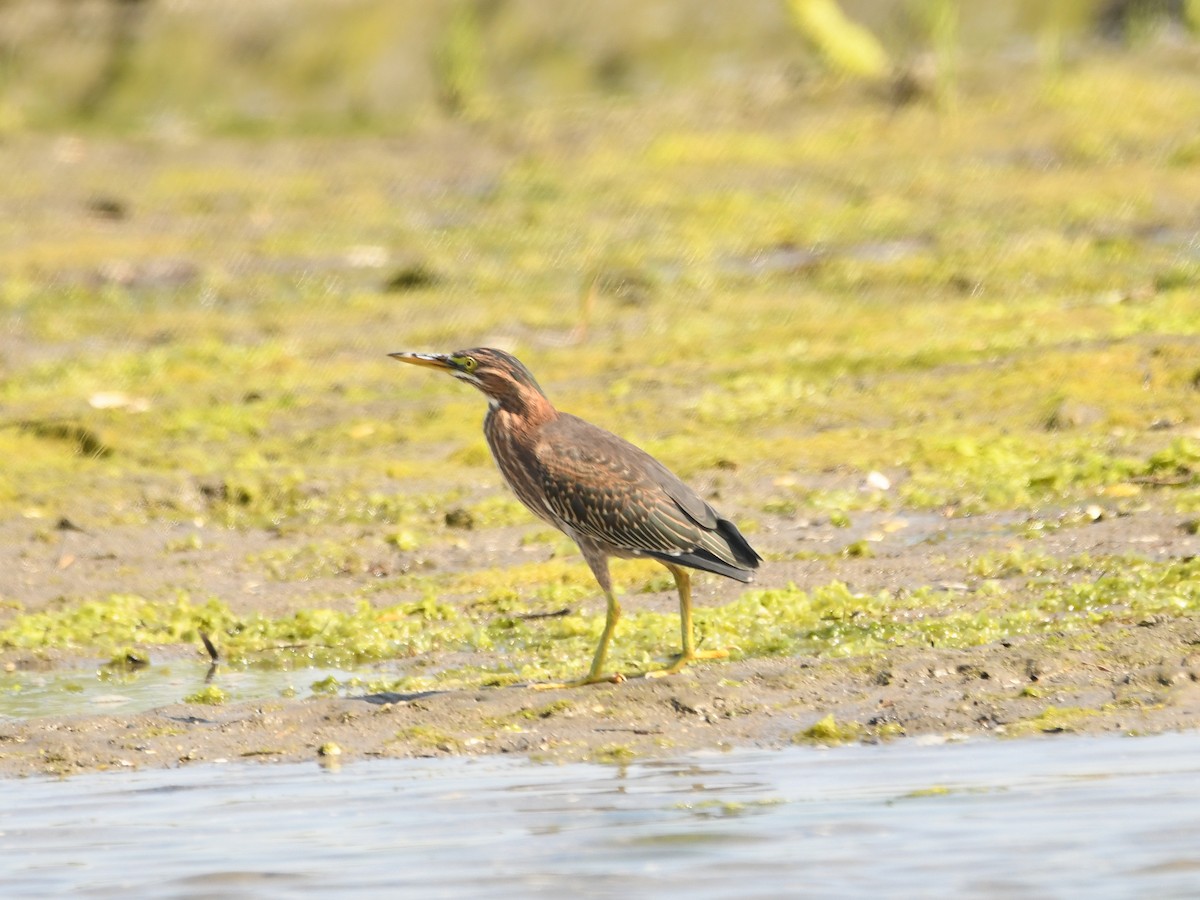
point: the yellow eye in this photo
(469, 364)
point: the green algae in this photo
(429, 737)
(123, 663)
(831, 621)
(937, 790)
(829, 732)
(1052, 720)
(209, 695)
(1008, 564)
(956, 392)
(614, 754)
(308, 637)
(545, 711)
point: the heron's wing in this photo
(613, 492)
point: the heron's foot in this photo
(615, 678)
(682, 660)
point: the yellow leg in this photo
(683, 582)
(596, 672)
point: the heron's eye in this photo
(469, 364)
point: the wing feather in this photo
(605, 488)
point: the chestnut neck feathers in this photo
(510, 388)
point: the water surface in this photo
(1062, 817)
(74, 692)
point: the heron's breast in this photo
(514, 453)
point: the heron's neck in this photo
(526, 408)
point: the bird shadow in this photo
(383, 698)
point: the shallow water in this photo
(71, 692)
(1069, 816)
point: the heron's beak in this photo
(430, 360)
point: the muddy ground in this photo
(1130, 677)
(941, 352)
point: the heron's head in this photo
(500, 375)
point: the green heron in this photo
(610, 497)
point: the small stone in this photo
(878, 481)
(1170, 675)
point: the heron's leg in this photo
(611, 617)
(683, 582)
(598, 562)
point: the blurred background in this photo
(824, 259)
(178, 68)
